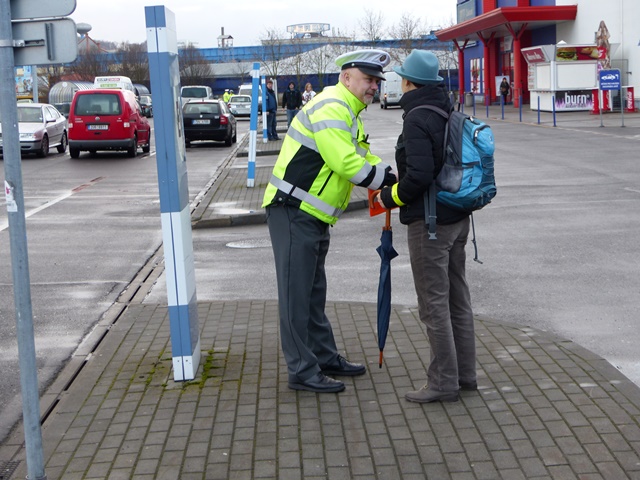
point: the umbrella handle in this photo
(387, 220)
(380, 360)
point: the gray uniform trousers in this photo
(444, 302)
(300, 246)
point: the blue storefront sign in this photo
(610, 79)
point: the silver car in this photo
(240, 105)
(41, 127)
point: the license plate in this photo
(97, 127)
(201, 122)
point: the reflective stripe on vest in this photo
(303, 196)
(310, 143)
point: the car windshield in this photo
(98, 104)
(195, 92)
(240, 100)
(211, 108)
(29, 115)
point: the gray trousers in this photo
(444, 302)
(300, 246)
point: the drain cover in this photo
(255, 243)
(7, 469)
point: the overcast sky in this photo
(200, 21)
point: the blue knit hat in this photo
(420, 67)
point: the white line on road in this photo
(4, 225)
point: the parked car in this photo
(208, 120)
(195, 92)
(107, 119)
(146, 106)
(41, 127)
(247, 89)
(240, 105)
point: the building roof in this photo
(507, 21)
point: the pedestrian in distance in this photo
(504, 90)
(324, 155)
(272, 109)
(291, 102)
(438, 266)
(308, 94)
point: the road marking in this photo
(4, 225)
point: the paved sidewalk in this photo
(546, 408)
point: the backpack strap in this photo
(429, 197)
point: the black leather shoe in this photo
(319, 383)
(344, 367)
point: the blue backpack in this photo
(466, 181)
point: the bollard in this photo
(520, 106)
(553, 106)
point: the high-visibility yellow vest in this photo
(324, 154)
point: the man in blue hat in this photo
(438, 266)
(324, 155)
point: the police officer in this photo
(324, 155)
(226, 96)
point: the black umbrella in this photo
(387, 253)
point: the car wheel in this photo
(187, 143)
(229, 140)
(44, 147)
(146, 148)
(235, 136)
(133, 150)
(63, 143)
(74, 152)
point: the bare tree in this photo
(372, 26)
(194, 68)
(91, 64)
(275, 49)
(134, 61)
(407, 30)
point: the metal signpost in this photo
(175, 211)
(610, 80)
(27, 41)
(253, 125)
(265, 137)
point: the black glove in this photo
(389, 178)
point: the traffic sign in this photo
(45, 42)
(33, 9)
(610, 79)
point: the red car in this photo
(107, 119)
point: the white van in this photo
(390, 90)
(246, 90)
(195, 92)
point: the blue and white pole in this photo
(265, 137)
(253, 126)
(162, 48)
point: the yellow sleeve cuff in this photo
(394, 195)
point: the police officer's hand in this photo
(390, 178)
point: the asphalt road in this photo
(92, 223)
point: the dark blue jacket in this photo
(272, 102)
